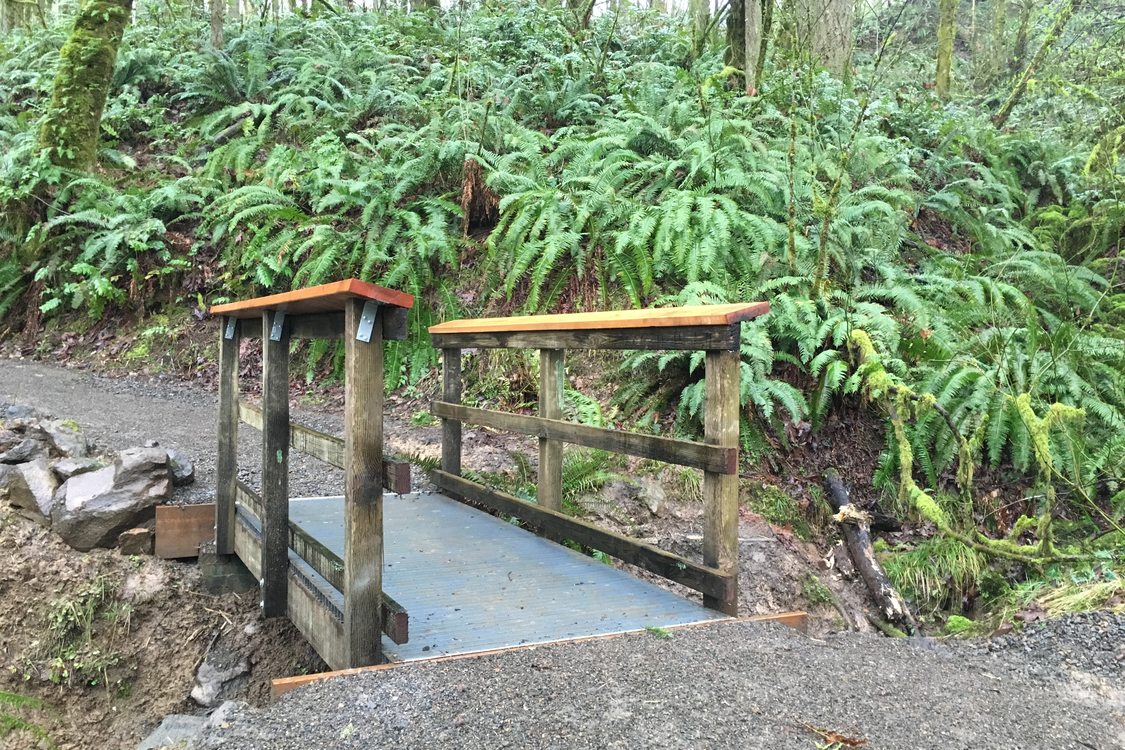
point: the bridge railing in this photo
(714, 329)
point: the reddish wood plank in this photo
(315, 299)
(663, 317)
(180, 529)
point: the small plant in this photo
(74, 649)
(779, 509)
(661, 633)
(815, 592)
(423, 418)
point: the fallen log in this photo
(856, 527)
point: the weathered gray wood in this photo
(723, 460)
(559, 527)
(691, 338)
(394, 321)
(720, 491)
(275, 470)
(552, 369)
(329, 448)
(451, 428)
(363, 491)
(226, 470)
(311, 326)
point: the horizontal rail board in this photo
(678, 338)
(329, 448)
(658, 317)
(331, 325)
(396, 621)
(682, 452)
(555, 525)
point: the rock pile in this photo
(50, 474)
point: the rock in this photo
(72, 467)
(152, 444)
(618, 491)
(19, 411)
(214, 680)
(93, 508)
(30, 488)
(175, 731)
(221, 716)
(67, 438)
(597, 505)
(651, 493)
(27, 449)
(183, 470)
(135, 542)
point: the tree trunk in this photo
(86, 61)
(824, 32)
(701, 20)
(658, 5)
(753, 23)
(736, 33)
(234, 10)
(1001, 117)
(1019, 49)
(947, 30)
(767, 31)
(994, 55)
(17, 14)
(217, 8)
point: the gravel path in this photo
(1056, 685)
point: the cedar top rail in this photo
(661, 317)
(363, 315)
(316, 299)
(715, 329)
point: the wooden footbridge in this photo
(398, 575)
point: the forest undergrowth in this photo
(963, 281)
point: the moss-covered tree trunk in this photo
(736, 32)
(1001, 117)
(86, 62)
(15, 14)
(700, 22)
(947, 30)
(824, 32)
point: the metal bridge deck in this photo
(472, 582)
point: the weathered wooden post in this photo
(275, 463)
(363, 481)
(226, 469)
(451, 428)
(551, 375)
(720, 491)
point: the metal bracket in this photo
(232, 325)
(367, 321)
(278, 325)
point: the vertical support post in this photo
(227, 465)
(720, 491)
(451, 428)
(275, 467)
(363, 488)
(551, 373)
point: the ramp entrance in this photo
(371, 576)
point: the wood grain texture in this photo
(396, 620)
(329, 448)
(180, 529)
(661, 317)
(315, 299)
(451, 428)
(559, 527)
(226, 468)
(551, 379)
(679, 338)
(275, 470)
(714, 458)
(720, 491)
(363, 492)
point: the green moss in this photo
(86, 61)
(958, 625)
(779, 509)
(814, 591)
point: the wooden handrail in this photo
(660, 317)
(329, 448)
(315, 299)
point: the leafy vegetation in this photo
(964, 279)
